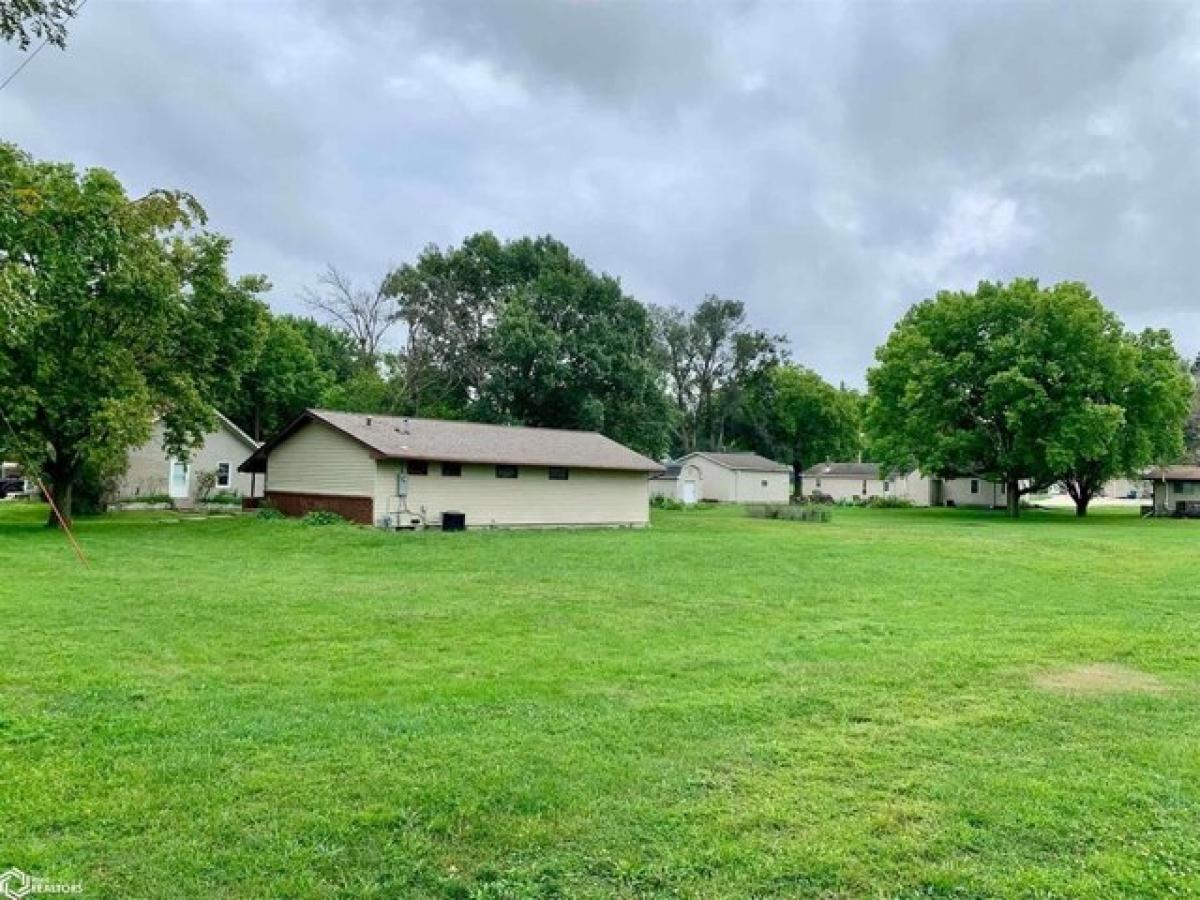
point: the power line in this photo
(27, 468)
(40, 47)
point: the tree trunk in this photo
(1081, 491)
(798, 479)
(1012, 495)
(61, 487)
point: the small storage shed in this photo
(679, 481)
(734, 478)
(398, 472)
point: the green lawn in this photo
(894, 704)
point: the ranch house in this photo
(396, 472)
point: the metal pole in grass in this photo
(23, 458)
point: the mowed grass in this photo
(894, 704)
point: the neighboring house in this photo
(1124, 488)
(153, 472)
(398, 472)
(846, 481)
(968, 492)
(862, 481)
(1174, 489)
(732, 478)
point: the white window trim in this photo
(228, 483)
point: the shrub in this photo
(206, 481)
(793, 512)
(230, 498)
(889, 503)
(146, 498)
(269, 513)
(321, 517)
(666, 503)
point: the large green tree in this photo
(1132, 413)
(795, 415)
(525, 332)
(711, 359)
(448, 302)
(1191, 433)
(335, 351)
(1024, 385)
(115, 311)
(285, 379)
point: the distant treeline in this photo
(524, 332)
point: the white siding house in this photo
(846, 481)
(862, 481)
(977, 492)
(151, 471)
(724, 478)
(396, 472)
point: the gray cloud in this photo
(829, 164)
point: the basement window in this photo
(451, 470)
(417, 467)
(764, 482)
(558, 473)
(506, 471)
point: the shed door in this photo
(689, 492)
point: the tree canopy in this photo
(524, 332)
(285, 379)
(1025, 385)
(794, 416)
(711, 358)
(24, 21)
(115, 312)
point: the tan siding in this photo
(723, 485)
(845, 488)
(587, 497)
(677, 488)
(958, 492)
(762, 487)
(713, 482)
(149, 464)
(665, 487)
(318, 460)
(914, 487)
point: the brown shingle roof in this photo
(843, 470)
(1173, 473)
(747, 462)
(396, 437)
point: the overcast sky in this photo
(828, 164)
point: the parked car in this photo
(10, 486)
